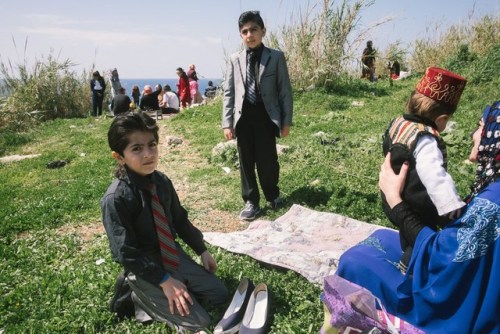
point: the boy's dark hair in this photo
(167, 88)
(125, 124)
(250, 16)
(419, 104)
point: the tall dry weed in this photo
(46, 90)
(479, 37)
(320, 41)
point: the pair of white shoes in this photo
(248, 310)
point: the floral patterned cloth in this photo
(306, 241)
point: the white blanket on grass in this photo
(306, 241)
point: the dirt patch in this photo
(176, 161)
(85, 232)
(17, 157)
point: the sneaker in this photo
(249, 212)
(276, 204)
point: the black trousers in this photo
(256, 135)
(97, 99)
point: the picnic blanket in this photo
(304, 240)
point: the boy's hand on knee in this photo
(208, 262)
(178, 295)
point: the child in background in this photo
(414, 138)
(142, 216)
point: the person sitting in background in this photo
(149, 99)
(120, 103)
(159, 89)
(170, 102)
(211, 90)
(395, 69)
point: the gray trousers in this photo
(152, 304)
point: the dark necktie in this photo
(169, 253)
(250, 84)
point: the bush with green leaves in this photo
(47, 90)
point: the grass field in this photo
(51, 236)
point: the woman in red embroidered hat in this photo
(414, 139)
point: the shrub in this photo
(478, 37)
(319, 45)
(48, 90)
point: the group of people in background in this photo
(161, 98)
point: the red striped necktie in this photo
(169, 253)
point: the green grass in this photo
(49, 280)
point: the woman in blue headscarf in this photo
(453, 281)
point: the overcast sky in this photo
(150, 39)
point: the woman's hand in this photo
(178, 295)
(390, 183)
(208, 262)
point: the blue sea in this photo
(129, 83)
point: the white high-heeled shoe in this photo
(255, 319)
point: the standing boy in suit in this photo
(258, 107)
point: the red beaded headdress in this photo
(442, 85)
